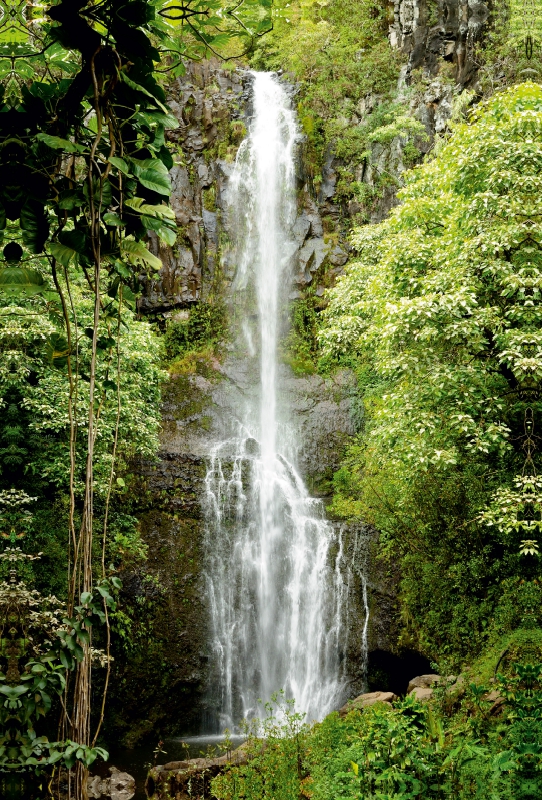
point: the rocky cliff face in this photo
(437, 39)
(439, 42)
(433, 32)
(212, 107)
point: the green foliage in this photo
(300, 347)
(85, 177)
(442, 315)
(49, 642)
(39, 395)
(451, 748)
(465, 742)
(511, 47)
(276, 747)
(205, 327)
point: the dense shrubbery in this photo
(452, 748)
(441, 316)
(204, 328)
(84, 178)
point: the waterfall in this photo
(274, 580)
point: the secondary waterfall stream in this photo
(275, 588)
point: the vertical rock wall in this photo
(429, 32)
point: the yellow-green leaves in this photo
(137, 253)
(18, 281)
(442, 311)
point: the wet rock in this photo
(366, 700)
(497, 701)
(204, 101)
(329, 177)
(322, 412)
(312, 212)
(237, 756)
(311, 257)
(338, 257)
(119, 786)
(450, 34)
(252, 447)
(192, 777)
(301, 229)
(422, 682)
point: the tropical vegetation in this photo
(438, 316)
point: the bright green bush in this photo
(441, 313)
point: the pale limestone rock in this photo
(422, 682)
(366, 700)
(422, 693)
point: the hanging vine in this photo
(83, 178)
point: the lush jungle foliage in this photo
(441, 316)
(455, 748)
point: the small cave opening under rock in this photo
(391, 672)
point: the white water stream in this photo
(275, 588)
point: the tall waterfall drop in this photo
(274, 582)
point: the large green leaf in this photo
(13, 692)
(56, 143)
(71, 245)
(101, 193)
(138, 88)
(71, 199)
(137, 252)
(151, 179)
(139, 205)
(169, 235)
(34, 225)
(20, 281)
(113, 220)
(56, 350)
(62, 252)
(120, 164)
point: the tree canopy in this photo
(441, 316)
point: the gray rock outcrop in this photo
(429, 33)
(423, 682)
(208, 103)
(422, 693)
(366, 700)
(422, 687)
(119, 786)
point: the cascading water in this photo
(274, 580)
